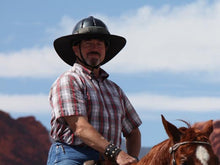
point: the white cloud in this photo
(35, 62)
(64, 27)
(175, 39)
(24, 103)
(141, 101)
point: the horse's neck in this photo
(159, 154)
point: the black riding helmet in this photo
(88, 28)
(90, 25)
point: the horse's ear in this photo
(208, 128)
(171, 130)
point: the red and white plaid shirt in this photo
(108, 110)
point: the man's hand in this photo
(125, 159)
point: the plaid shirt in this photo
(108, 110)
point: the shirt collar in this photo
(80, 68)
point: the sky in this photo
(170, 64)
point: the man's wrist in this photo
(112, 151)
(136, 158)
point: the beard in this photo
(92, 59)
(93, 62)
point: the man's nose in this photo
(95, 46)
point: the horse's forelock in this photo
(187, 123)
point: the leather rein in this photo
(177, 145)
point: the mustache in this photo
(94, 52)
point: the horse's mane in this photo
(155, 152)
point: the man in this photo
(90, 112)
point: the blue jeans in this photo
(63, 154)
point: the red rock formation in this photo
(23, 141)
(214, 137)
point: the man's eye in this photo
(88, 44)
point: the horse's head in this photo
(190, 146)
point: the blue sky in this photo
(170, 65)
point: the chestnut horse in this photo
(185, 146)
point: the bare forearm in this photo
(93, 139)
(133, 143)
(87, 133)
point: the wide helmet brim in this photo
(63, 46)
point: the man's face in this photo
(93, 51)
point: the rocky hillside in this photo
(214, 137)
(23, 141)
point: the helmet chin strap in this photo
(84, 61)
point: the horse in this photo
(185, 146)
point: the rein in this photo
(177, 145)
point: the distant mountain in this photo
(23, 141)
